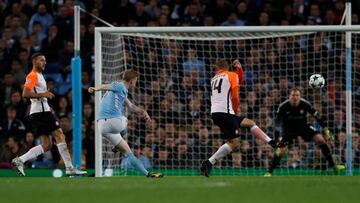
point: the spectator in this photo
(43, 17)
(51, 45)
(146, 157)
(219, 9)
(152, 9)
(65, 125)
(17, 102)
(236, 160)
(330, 18)
(192, 15)
(315, 13)
(152, 63)
(26, 44)
(88, 143)
(339, 10)
(63, 79)
(88, 113)
(160, 136)
(11, 126)
(264, 19)
(193, 111)
(184, 158)
(170, 148)
(7, 87)
(64, 23)
(165, 81)
(186, 89)
(27, 8)
(17, 71)
(202, 145)
(29, 141)
(177, 13)
(247, 155)
(209, 20)
(140, 15)
(163, 160)
(194, 66)
(294, 159)
(243, 12)
(11, 149)
(62, 108)
(16, 10)
(338, 123)
(232, 20)
(16, 26)
(167, 114)
(11, 43)
(299, 9)
(24, 59)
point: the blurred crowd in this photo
(174, 82)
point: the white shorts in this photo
(112, 127)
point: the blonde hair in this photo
(222, 64)
(129, 75)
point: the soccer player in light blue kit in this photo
(111, 120)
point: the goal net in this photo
(174, 87)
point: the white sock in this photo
(32, 153)
(224, 150)
(258, 133)
(65, 155)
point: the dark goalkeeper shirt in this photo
(294, 118)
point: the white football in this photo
(316, 81)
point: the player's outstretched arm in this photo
(99, 88)
(239, 71)
(137, 109)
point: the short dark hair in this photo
(11, 108)
(64, 116)
(35, 55)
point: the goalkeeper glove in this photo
(328, 136)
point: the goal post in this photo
(175, 65)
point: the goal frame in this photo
(276, 29)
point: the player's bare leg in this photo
(257, 132)
(320, 141)
(225, 149)
(125, 149)
(64, 153)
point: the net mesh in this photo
(175, 71)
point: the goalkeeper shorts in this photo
(306, 133)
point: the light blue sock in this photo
(137, 164)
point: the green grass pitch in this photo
(195, 189)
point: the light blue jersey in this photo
(112, 101)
